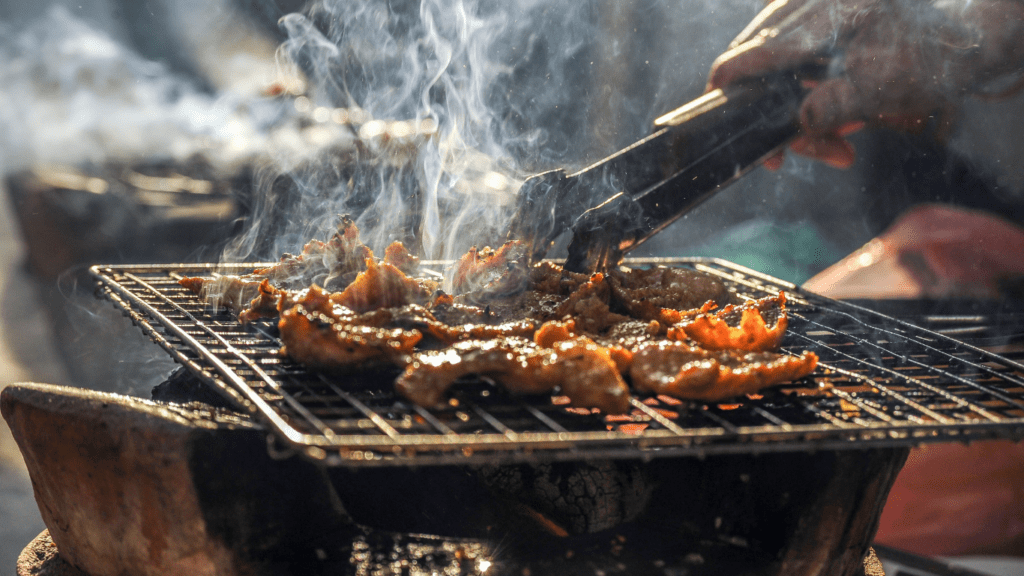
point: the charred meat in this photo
(530, 329)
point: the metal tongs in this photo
(696, 150)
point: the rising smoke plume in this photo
(509, 88)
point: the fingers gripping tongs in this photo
(696, 150)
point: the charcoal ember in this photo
(182, 387)
(129, 486)
(518, 504)
(575, 498)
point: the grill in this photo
(881, 382)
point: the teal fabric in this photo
(788, 251)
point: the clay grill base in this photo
(127, 486)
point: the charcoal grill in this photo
(881, 382)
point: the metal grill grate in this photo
(880, 382)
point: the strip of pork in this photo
(581, 369)
(690, 373)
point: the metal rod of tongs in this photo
(695, 151)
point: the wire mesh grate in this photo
(880, 382)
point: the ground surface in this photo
(26, 354)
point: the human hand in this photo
(895, 63)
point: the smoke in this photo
(75, 96)
(511, 89)
(436, 63)
(417, 117)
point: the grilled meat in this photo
(323, 343)
(264, 305)
(683, 371)
(740, 327)
(537, 330)
(383, 286)
(331, 264)
(232, 292)
(343, 262)
(487, 274)
(645, 292)
(584, 371)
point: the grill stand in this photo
(880, 383)
(128, 486)
(806, 513)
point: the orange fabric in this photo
(952, 499)
(932, 251)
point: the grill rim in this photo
(395, 448)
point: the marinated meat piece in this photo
(319, 333)
(491, 272)
(302, 270)
(623, 357)
(264, 305)
(316, 300)
(690, 373)
(645, 292)
(410, 317)
(631, 333)
(550, 278)
(518, 329)
(591, 376)
(323, 343)
(584, 372)
(476, 321)
(589, 304)
(407, 317)
(715, 332)
(193, 284)
(670, 317)
(550, 334)
(529, 304)
(325, 263)
(398, 256)
(231, 292)
(771, 309)
(446, 310)
(516, 363)
(419, 318)
(382, 286)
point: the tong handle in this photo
(696, 151)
